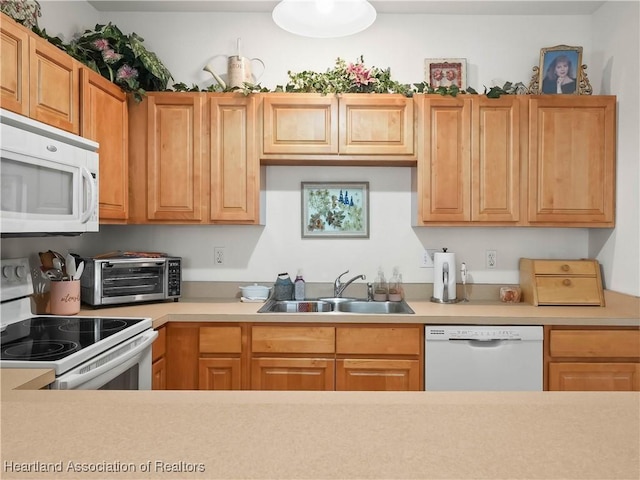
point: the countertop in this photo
(319, 435)
(343, 435)
(620, 310)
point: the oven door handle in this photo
(120, 362)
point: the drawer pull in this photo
(565, 268)
(566, 282)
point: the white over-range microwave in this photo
(49, 179)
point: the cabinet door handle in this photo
(564, 268)
(566, 282)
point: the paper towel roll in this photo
(444, 263)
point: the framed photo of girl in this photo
(560, 70)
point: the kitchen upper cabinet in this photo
(572, 143)
(167, 152)
(347, 129)
(104, 119)
(469, 167)
(193, 159)
(593, 359)
(444, 163)
(233, 159)
(14, 68)
(38, 79)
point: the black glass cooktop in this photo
(53, 338)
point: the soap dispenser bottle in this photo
(380, 287)
(395, 286)
(298, 287)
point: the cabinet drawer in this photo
(159, 347)
(561, 267)
(220, 339)
(293, 339)
(595, 343)
(564, 290)
(378, 340)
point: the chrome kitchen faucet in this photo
(339, 287)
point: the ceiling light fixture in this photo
(324, 18)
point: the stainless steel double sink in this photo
(336, 305)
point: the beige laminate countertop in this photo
(319, 435)
(620, 310)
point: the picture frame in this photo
(569, 60)
(444, 72)
(335, 209)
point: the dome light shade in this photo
(324, 18)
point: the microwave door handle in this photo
(86, 175)
(70, 382)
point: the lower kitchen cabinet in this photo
(292, 357)
(380, 358)
(378, 374)
(593, 359)
(158, 367)
(219, 362)
(292, 373)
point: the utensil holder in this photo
(65, 297)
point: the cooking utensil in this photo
(79, 271)
(53, 274)
(46, 259)
(70, 265)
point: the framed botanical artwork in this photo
(335, 209)
(444, 72)
(560, 70)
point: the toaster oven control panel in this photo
(174, 278)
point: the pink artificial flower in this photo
(101, 44)
(110, 56)
(126, 72)
(359, 74)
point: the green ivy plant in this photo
(123, 59)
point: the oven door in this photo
(134, 281)
(127, 366)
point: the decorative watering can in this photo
(238, 70)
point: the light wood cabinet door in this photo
(572, 160)
(220, 374)
(594, 376)
(495, 159)
(167, 154)
(233, 159)
(159, 375)
(105, 120)
(375, 124)
(443, 171)
(299, 124)
(14, 67)
(54, 95)
(272, 373)
(378, 374)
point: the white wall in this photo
(496, 48)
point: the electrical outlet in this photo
(426, 259)
(491, 258)
(218, 255)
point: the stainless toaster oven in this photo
(117, 281)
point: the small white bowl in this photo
(255, 292)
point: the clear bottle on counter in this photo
(380, 287)
(395, 286)
(299, 287)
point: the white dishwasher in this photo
(463, 357)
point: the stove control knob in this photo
(8, 272)
(21, 271)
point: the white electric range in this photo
(109, 353)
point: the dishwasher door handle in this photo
(485, 342)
